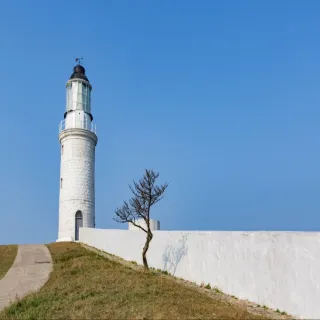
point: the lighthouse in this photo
(78, 139)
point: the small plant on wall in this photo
(145, 194)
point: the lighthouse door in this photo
(79, 224)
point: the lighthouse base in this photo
(65, 239)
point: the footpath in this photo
(29, 272)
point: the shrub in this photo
(216, 289)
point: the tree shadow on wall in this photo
(173, 255)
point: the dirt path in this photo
(29, 272)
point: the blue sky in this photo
(221, 97)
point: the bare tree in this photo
(145, 194)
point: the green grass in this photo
(217, 290)
(84, 285)
(7, 256)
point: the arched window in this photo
(78, 223)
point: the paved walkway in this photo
(29, 272)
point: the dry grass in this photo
(85, 285)
(7, 256)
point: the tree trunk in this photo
(144, 251)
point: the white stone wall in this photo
(277, 269)
(154, 225)
(76, 180)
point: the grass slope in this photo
(84, 285)
(7, 256)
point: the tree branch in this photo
(145, 195)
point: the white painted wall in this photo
(154, 225)
(277, 269)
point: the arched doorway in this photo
(79, 223)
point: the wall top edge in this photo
(215, 231)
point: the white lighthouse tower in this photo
(78, 139)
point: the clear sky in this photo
(221, 97)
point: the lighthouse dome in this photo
(79, 72)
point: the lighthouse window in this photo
(88, 102)
(84, 96)
(62, 149)
(61, 183)
(69, 96)
(81, 96)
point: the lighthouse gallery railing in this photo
(86, 124)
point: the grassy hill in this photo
(7, 256)
(87, 285)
